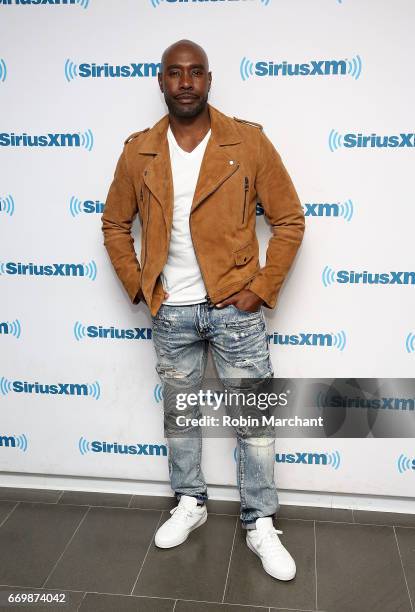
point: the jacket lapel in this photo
(157, 174)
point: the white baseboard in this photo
(228, 493)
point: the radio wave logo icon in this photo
(79, 331)
(347, 210)
(158, 393)
(87, 140)
(83, 446)
(75, 206)
(328, 276)
(333, 459)
(14, 328)
(355, 67)
(21, 442)
(246, 68)
(410, 343)
(5, 385)
(90, 270)
(7, 205)
(71, 70)
(3, 70)
(404, 464)
(339, 340)
(83, 3)
(335, 141)
(94, 390)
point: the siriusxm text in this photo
(106, 70)
(55, 269)
(10, 139)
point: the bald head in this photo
(185, 79)
(184, 45)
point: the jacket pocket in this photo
(244, 254)
(246, 199)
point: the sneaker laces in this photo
(269, 542)
(180, 513)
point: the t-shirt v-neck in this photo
(194, 152)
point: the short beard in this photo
(184, 112)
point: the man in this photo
(194, 179)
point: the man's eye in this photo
(174, 72)
(197, 72)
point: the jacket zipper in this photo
(207, 296)
(210, 303)
(147, 222)
(246, 187)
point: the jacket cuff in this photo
(257, 287)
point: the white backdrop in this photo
(51, 200)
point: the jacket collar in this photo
(223, 132)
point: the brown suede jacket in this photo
(239, 168)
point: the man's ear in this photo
(160, 80)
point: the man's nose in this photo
(186, 81)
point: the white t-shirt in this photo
(181, 276)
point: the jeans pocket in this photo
(245, 318)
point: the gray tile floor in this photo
(94, 552)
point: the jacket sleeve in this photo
(283, 209)
(117, 218)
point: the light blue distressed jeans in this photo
(238, 341)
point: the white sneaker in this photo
(187, 515)
(264, 542)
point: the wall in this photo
(358, 202)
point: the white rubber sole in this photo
(200, 522)
(267, 571)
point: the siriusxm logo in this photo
(330, 276)
(83, 3)
(7, 205)
(19, 386)
(325, 400)
(3, 70)
(19, 442)
(12, 328)
(158, 392)
(371, 141)
(332, 459)
(98, 331)
(77, 206)
(330, 67)
(77, 139)
(404, 463)
(88, 270)
(114, 448)
(156, 3)
(337, 340)
(98, 71)
(410, 343)
(334, 209)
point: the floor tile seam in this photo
(66, 547)
(147, 551)
(403, 571)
